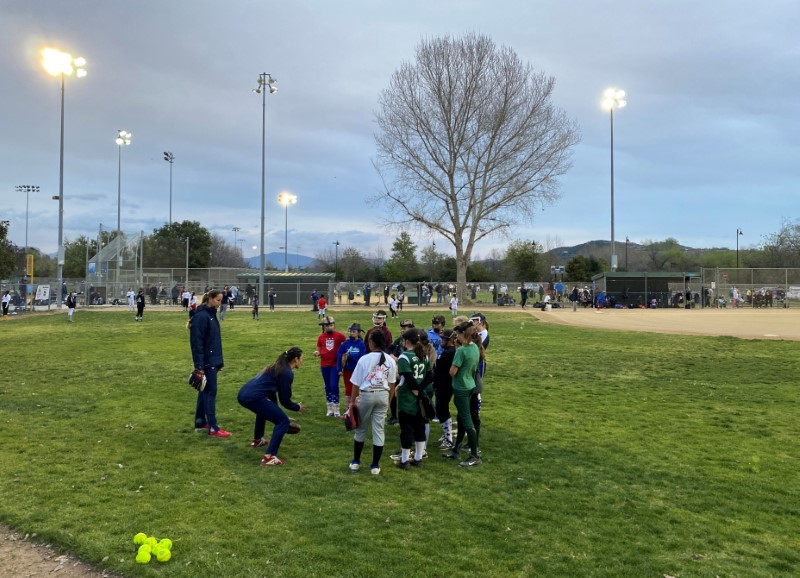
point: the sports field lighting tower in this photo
(170, 158)
(336, 263)
(739, 233)
(265, 84)
(613, 98)
(286, 199)
(27, 189)
(123, 139)
(62, 64)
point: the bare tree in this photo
(469, 142)
(225, 255)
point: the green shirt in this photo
(408, 362)
(466, 358)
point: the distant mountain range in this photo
(276, 258)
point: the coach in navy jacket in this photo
(206, 343)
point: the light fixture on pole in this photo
(123, 139)
(186, 276)
(62, 64)
(739, 233)
(170, 158)
(613, 98)
(627, 240)
(336, 263)
(235, 231)
(286, 199)
(265, 84)
(27, 189)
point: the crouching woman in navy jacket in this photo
(261, 394)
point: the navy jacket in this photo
(269, 385)
(206, 338)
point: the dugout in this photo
(292, 288)
(638, 288)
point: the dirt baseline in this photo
(747, 323)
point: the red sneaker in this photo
(269, 460)
(220, 433)
(259, 443)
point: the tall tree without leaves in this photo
(469, 142)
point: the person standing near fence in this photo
(72, 302)
(206, 345)
(255, 307)
(6, 303)
(272, 297)
(185, 296)
(140, 299)
(226, 295)
(131, 298)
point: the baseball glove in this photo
(294, 426)
(197, 379)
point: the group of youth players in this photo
(446, 364)
(385, 380)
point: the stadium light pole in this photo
(286, 199)
(739, 233)
(235, 231)
(627, 240)
(336, 263)
(123, 139)
(613, 98)
(265, 84)
(62, 64)
(170, 158)
(27, 189)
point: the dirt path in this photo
(746, 323)
(22, 556)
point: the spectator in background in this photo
(314, 300)
(185, 296)
(574, 297)
(254, 299)
(323, 305)
(523, 295)
(272, 296)
(234, 295)
(226, 295)
(72, 302)
(140, 299)
(367, 291)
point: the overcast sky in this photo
(709, 141)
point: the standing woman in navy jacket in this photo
(261, 394)
(206, 342)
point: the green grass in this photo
(605, 454)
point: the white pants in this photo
(372, 405)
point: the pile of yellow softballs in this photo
(152, 547)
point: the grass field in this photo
(604, 454)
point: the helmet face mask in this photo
(378, 319)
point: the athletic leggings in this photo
(331, 379)
(444, 394)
